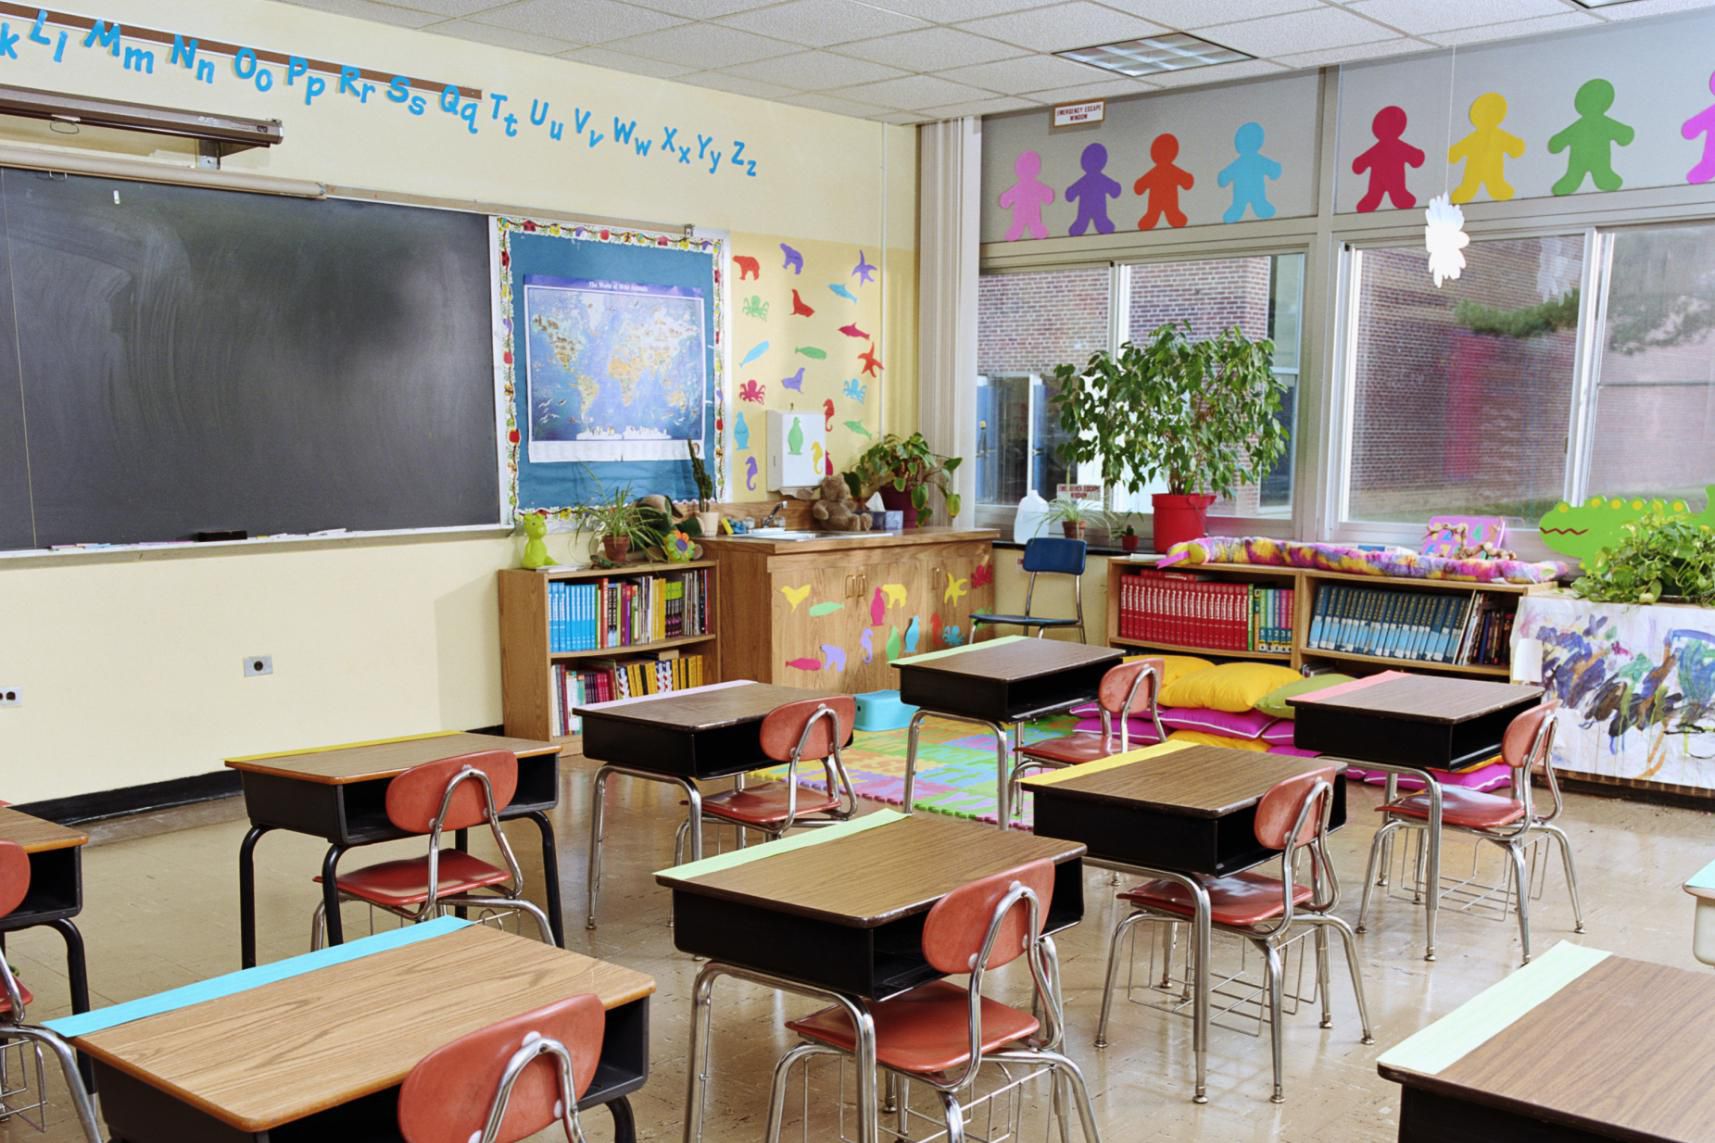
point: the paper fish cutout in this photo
(850, 329)
(895, 593)
(841, 291)
(805, 664)
(741, 432)
(828, 415)
(934, 630)
(750, 474)
(834, 658)
(752, 391)
(820, 609)
(952, 636)
(911, 636)
(859, 428)
(982, 575)
(812, 352)
(756, 351)
(872, 366)
(864, 270)
(867, 642)
(747, 266)
(957, 589)
(795, 382)
(892, 643)
(800, 308)
(877, 608)
(795, 595)
(794, 260)
(856, 389)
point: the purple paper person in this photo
(1703, 123)
(1092, 193)
(1026, 198)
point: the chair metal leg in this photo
(1521, 881)
(1353, 965)
(955, 1117)
(1376, 847)
(1565, 843)
(598, 828)
(777, 1090)
(84, 1106)
(1064, 1067)
(1321, 937)
(1276, 978)
(318, 923)
(911, 736)
(1169, 944)
(1114, 943)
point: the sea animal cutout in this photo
(892, 643)
(794, 260)
(827, 463)
(805, 663)
(1161, 184)
(817, 610)
(795, 438)
(864, 271)
(850, 329)
(877, 608)
(856, 389)
(1249, 175)
(741, 432)
(840, 291)
(800, 308)
(866, 642)
(756, 351)
(750, 474)
(812, 352)
(747, 267)
(1703, 123)
(860, 429)
(1026, 198)
(795, 382)
(895, 593)
(872, 366)
(795, 595)
(1091, 192)
(755, 307)
(1589, 141)
(752, 391)
(1386, 162)
(957, 589)
(982, 575)
(1588, 529)
(828, 415)
(834, 658)
(952, 635)
(934, 630)
(913, 633)
(815, 454)
(1485, 151)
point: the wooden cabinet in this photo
(825, 612)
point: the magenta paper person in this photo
(1026, 198)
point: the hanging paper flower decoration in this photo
(1444, 237)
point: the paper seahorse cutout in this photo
(795, 595)
(912, 634)
(840, 291)
(815, 453)
(828, 415)
(1386, 162)
(892, 643)
(1485, 151)
(957, 589)
(1590, 141)
(895, 593)
(867, 642)
(794, 260)
(750, 474)
(795, 438)
(805, 664)
(741, 432)
(877, 608)
(934, 631)
(1249, 175)
(834, 658)
(820, 609)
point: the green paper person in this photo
(1589, 142)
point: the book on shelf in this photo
(1182, 609)
(603, 680)
(1457, 628)
(623, 611)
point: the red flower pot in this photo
(1180, 518)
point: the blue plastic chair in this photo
(1046, 555)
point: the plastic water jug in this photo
(1031, 519)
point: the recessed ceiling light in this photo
(1600, 3)
(1152, 54)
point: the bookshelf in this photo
(1317, 592)
(527, 662)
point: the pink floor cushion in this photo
(1292, 751)
(1492, 777)
(1280, 733)
(1142, 730)
(1249, 724)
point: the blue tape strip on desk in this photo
(214, 988)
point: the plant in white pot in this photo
(1202, 416)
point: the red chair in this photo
(941, 1033)
(509, 1080)
(453, 793)
(1264, 909)
(14, 887)
(1508, 820)
(794, 732)
(1129, 688)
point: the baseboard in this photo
(104, 804)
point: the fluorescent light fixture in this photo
(1151, 55)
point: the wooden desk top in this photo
(1196, 781)
(1425, 698)
(37, 835)
(707, 708)
(369, 761)
(1618, 1047)
(1017, 660)
(867, 879)
(275, 1054)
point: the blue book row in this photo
(1430, 627)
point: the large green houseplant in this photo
(1203, 416)
(903, 469)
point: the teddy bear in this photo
(832, 508)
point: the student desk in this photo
(320, 1055)
(679, 738)
(1578, 1044)
(56, 893)
(837, 914)
(1412, 725)
(1177, 812)
(339, 793)
(995, 684)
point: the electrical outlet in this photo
(11, 696)
(256, 665)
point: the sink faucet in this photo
(775, 518)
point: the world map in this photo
(614, 370)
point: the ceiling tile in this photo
(994, 106)
(1101, 89)
(1414, 17)
(905, 118)
(586, 21)
(946, 11)
(619, 61)
(1357, 53)
(1079, 24)
(710, 45)
(738, 85)
(915, 92)
(932, 48)
(1638, 8)
(1218, 73)
(817, 101)
(446, 7)
(823, 22)
(365, 10)
(503, 37)
(703, 9)
(1201, 13)
(1298, 32)
(1031, 73)
(813, 71)
(1538, 26)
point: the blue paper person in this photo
(1248, 175)
(1092, 192)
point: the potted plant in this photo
(1203, 416)
(1122, 530)
(902, 469)
(1072, 515)
(620, 525)
(708, 520)
(1659, 559)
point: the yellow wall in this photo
(1054, 595)
(130, 663)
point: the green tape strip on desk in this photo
(87, 1023)
(927, 656)
(785, 845)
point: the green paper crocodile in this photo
(1585, 530)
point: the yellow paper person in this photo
(1485, 151)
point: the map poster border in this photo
(611, 476)
(612, 445)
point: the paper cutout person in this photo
(1026, 198)
(1162, 184)
(1485, 150)
(1092, 192)
(1590, 140)
(1386, 162)
(1249, 175)
(1703, 123)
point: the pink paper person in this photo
(1026, 198)
(1703, 123)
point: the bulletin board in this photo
(609, 359)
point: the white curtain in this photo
(950, 171)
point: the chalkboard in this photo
(177, 359)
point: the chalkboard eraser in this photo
(215, 535)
